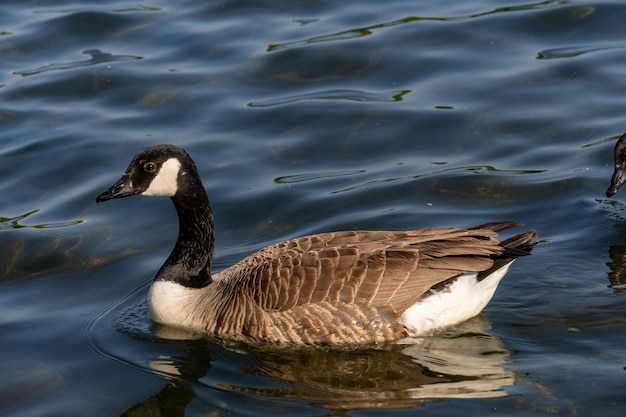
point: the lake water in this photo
(306, 117)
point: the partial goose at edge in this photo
(619, 173)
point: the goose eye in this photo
(149, 167)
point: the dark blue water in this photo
(306, 117)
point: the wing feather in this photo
(379, 270)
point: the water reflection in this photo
(181, 374)
(617, 273)
(26, 255)
(464, 362)
(617, 253)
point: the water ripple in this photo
(97, 57)
(291, 179)
(343, 94)
(370, 29)
(346, 34)
(574, 51)
(15, 222)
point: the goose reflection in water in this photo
(464, 362)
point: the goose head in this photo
(162, 170)
(167, 170)
(619, 175)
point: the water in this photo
(305, 117)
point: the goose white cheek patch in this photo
(166, 181)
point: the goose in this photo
(335, 288)
(619, 174)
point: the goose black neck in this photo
(189, 264)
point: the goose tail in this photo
(514, 247)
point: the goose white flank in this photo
(349, 287)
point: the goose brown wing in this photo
(375, 269)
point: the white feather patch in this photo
(166, 181)
(464, 299)
(168, 302)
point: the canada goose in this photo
(619, 175)
(331, 288)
